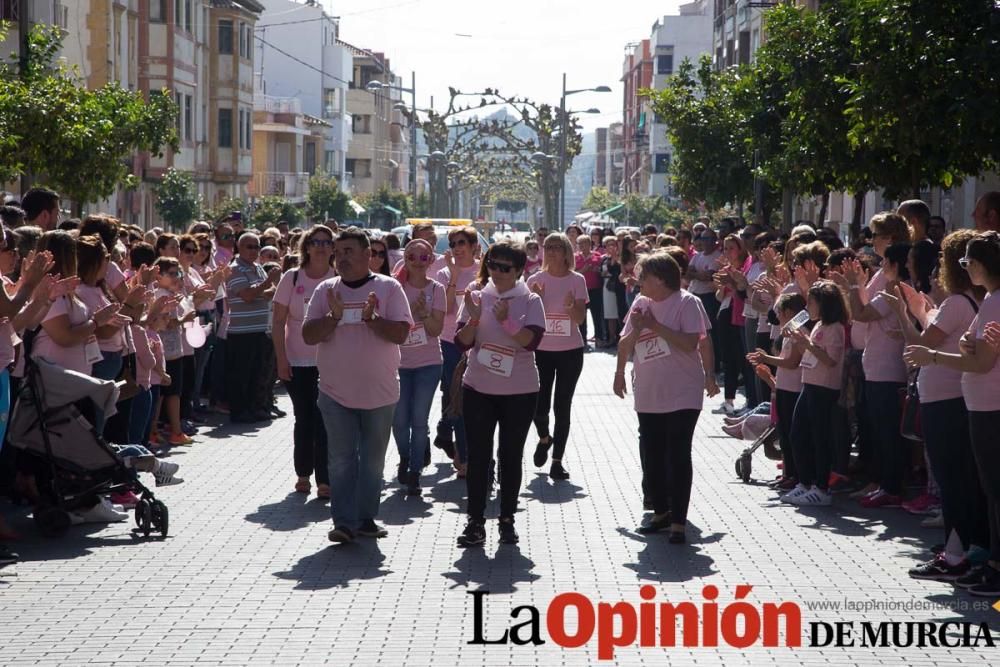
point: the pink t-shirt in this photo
(420, 349)
(560, 332)
(788, 379)
(8, 337)
(859, 330)
(156, 345)
(532, 266)
(884, 343)
(665, 379)
(953, 318)
(113, 277)
(95, 299)
(831, 338)
(295, 295)
(465, 276)
(497, 364)
(144, 357)
(982, 390)
(357, 368)
(432, 270)
(74, 357)
(703, 262)
(223, 256)
(593, 260)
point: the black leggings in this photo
(309, 433)
(983, 427)
(891, 450)
(665, 450)
(563, 370)
(733, 353)
(784, 402)
(482, 413)
(811, 434)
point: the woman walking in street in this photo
(560, 355)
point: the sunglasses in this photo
(251, 247)
(416, 258)
(378, 253)
(453, 244)
(502, 268)
(964, 262)
(320, 243)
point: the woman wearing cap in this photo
(560, 354)
(500, 326)
(296, 361)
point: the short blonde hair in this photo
(567, 247)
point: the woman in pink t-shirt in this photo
(420, 364)
(661, 335)
(729, 321)
(822, 370)
(560, 355)
(500, 327)
(296, 361)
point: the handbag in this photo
(454, 410)
(910, 426)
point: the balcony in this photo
(271, 104)
(288, 184)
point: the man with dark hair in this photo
(918, 218)
(937, 229)
(986, 215)
(41, 208)
(11, 216)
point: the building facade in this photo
(637, 74)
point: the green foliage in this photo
(77, 141)
(271, 209)
(224, 207)
(375, 202)
(422, 206)
(599, 199)
(326, 199)
(177, 200)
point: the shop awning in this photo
(613, 209)
(395, 211)
(356, 207)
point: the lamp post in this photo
(563, 119)
(375, 86)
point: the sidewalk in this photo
(247, 575)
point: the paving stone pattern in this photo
(247, 575)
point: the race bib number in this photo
(649, 347)
(497, 359)
(809, 360)
(417, 336)
(558, 325)
(352, 313)
(93, 351)
(171, 343)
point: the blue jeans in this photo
(356, 444)
(409, 425)
(446, 424)
(138, 419)
(108, 368)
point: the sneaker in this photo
(126, 499)
(734, 431)
(473, 535)
(934, 521)
(445, 445)
(542, 453)
(794, 493)
(278, 412)
(507, 533)
(988, 586)
(102, 512)
(413, 484)
(880, 499)
(340, 535)
(178, 439)
(557, 471)
(814, 497)
(784, 483)
(188, 427)
(866, 490)
(939, 570)
(323, 491)
(371, 529)
(404, 466)
(166, 474)
(840, 484)
(923, 504)
(7, 557)
(977, 555)
(656, 524)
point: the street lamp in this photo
(374, 87)
(562, 140)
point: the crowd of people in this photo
(874, 364)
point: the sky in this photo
(520, 47)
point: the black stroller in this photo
(73, 463)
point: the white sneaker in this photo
(102, 512)
(164, 474)
(794, 493)
(814, 496)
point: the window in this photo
(225, 128)
(178, 13)
(240, 131)
(157, 11)
(246, 128)
(188, 119)
(243, 40)
(179, 120)
(665, 64)
(362, 124)
(329, 162)
(188, 21)
(204, 123)
(662, 163)
(225, 37)
(331, 102)
(309, 160)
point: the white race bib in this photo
(650, 346)
(352, 313)
(497, 359)
(809, 360)
(417, 336)
(93, 351)
(558, 325)
(171, 339)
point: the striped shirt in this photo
(246, 317)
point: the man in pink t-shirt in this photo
(357, 320)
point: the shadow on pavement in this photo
(294, 511)
(664, 562)
(336, 566)
(543, 490)
(400, 509)
(500, 574)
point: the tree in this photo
(272, 209)
(375, 203)
(599, 199)
(326, 199)
(224, 207)
(76, 140)
(177, 200)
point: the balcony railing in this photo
(281, 183)
(271, 104)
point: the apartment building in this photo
(637, 74)
(287, 147)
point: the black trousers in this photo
(811, 435)
(187, 386)
(983, 427)
(561, 369)
(784, 402)
(891, 450)
(309, 434)
(949, 450)
(733, 354)
(665, 440)
(248, 362)
(482, 414)
(596, 308)
(712, 309)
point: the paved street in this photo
(247, 575)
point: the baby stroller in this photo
(74, 465)
(769, 439)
